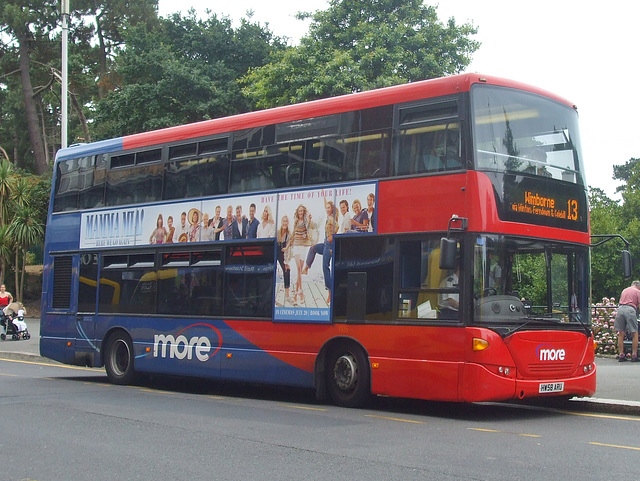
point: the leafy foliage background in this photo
(132, 71)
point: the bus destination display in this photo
(546, 206)
(543, 202)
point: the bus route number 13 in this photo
(572, 209)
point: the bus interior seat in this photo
(257, 181)
(434, 278)
(430, 163)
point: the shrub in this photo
(603, 316)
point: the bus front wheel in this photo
(348, 375)
(118, 360)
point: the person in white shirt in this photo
(344, 224)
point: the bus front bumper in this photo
(482, 383)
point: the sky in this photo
(583, 51)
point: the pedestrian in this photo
(627, 319)
(5, 297)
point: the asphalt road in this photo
(67, 423)
(617, 391)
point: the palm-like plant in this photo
(6, 250)
(25, 230)
(23, 199)
(7, 180)
(21, 191)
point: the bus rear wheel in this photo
(348, 379)
(118, 359)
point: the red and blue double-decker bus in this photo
(428, 240)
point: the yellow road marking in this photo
(394, 419)
(8, 375)
(148, 389)
(308, 408)
(505, 432)
(603, 416)
(65, 366)
(96, 370)
(616, 446)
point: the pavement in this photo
(617, 390)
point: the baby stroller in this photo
(15, 310)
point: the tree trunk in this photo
(44, 135)
(102, 59)
(16, 272)
(83, 120)
(23, 270)
(33, 124)
(16, 142)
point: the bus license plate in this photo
(550, 387)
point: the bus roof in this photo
(315, 108)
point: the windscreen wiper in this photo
(548, 320)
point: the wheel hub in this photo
(345, 372)
(120, 357)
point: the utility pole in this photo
(65, 72)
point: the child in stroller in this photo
(12, 321)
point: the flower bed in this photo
(603, 316)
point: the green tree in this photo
(182, 70)
(26, 28)
(629, 173)
(7, 181)
(6, 250)
(628, 221)
(358, 45)
(30, 70)
(606, 271)
(23, 209)
(110, 19)
(625, 172)
(26, 231)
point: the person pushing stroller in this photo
(14, 321)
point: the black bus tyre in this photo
(118, 359)
(348, 380)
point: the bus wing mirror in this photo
(626, 255)
(626, 264)
(448, 248)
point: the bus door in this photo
(82, 322)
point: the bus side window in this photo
(374, 258)
(94, 176)
(325, 160)
(196, 177)
(248, 281)
(367, 155)
(432, 148)
(250, 174)
(66, 191)
(133, 279)
(421, 279)
(88, 288)
(120, 189)
(283, 164)
(428, 138)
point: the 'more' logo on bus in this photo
(545, 352)
(185, 346)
